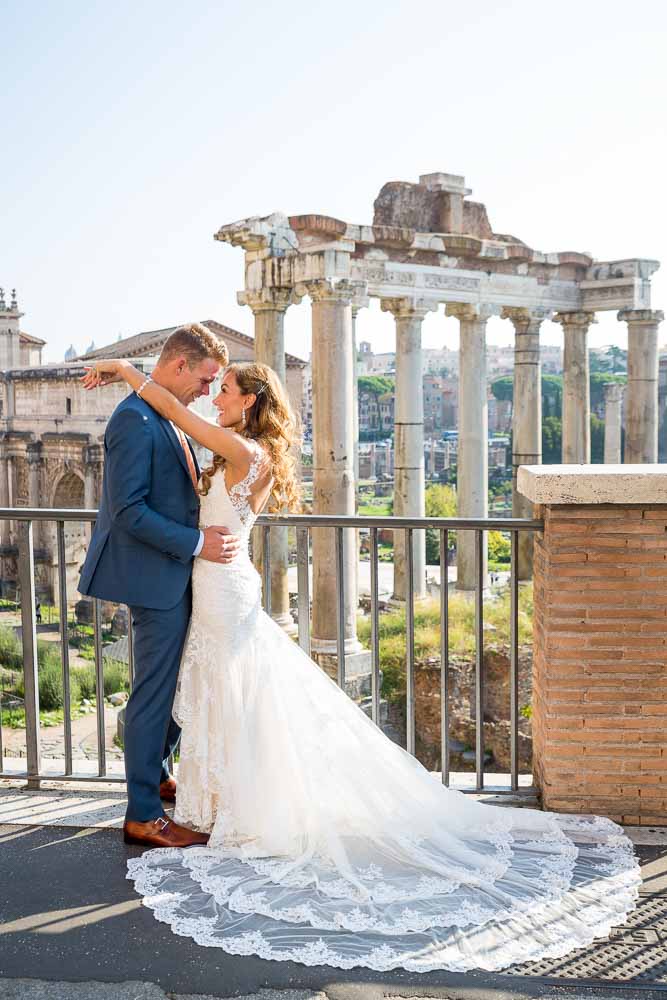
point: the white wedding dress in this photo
(330, 845)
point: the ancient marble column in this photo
(333, 462)
(34, 457)
(5, 536)
(408, 438)
(93, 459)
(576, 387)
(473, 450)
(613, 399)
(526, 418)
(269, 307)
(641, 402)
(359, 302)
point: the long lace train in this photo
(332, 845)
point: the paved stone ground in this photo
(71, 926)
(84, 738)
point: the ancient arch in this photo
(69, 493)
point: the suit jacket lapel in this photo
(176, 444)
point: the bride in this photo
(329, 844)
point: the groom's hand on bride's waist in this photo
(219, 545)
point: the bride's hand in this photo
(103, 373)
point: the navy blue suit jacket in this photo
(146, 531)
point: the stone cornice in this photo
(470, 264)
(593, 484)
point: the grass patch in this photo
(461, 632)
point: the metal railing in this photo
(303, 525)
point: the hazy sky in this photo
(132, 131)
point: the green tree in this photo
(597, 439)
(499, 547)
(618, 359)
(552, 440)
(377, 384)
(551, 388)
(552, 395)
(503, 388)
(440, 501)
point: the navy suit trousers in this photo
(151, 734)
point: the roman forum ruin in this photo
(430, 246)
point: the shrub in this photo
(116, 676)
(499, 547)
(51, 686)
(11, 653)
(85, 680)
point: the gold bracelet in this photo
(143, 386)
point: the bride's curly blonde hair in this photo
(272, 423)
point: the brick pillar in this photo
(599, 708)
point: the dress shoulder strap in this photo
(243, 489)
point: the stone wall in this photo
(600, 676)
(462, 710)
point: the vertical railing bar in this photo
(444, 654)
(266, 567)
(410, 627)
(30, 665)
(375, 630)
(64, 645)
(130, 647)
(479, 658)
(514, 662)
(303, 588)
(99, 689)
(340, 608)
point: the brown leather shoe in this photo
(161, 832)
(168, 790)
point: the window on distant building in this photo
(68, 406)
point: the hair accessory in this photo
(143, 386)
(262, 388)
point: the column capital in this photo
(613, 392)
(478, 312)
(360, 301)
(34, 452)
(267, 299)
(523, 318)
(579, 319)
(333, 290)
(93, 455)
(641, 317)
(408, 308)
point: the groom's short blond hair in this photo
(194, 342)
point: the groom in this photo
(141, 554)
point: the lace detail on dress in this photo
(329, 843)
(239, 493)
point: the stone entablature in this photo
(465, 266)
